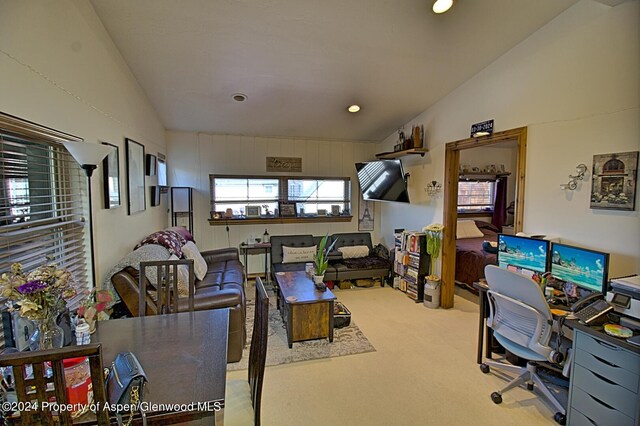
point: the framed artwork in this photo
(614, 181)
(253, 211)
(287, 209)
(150, 165)
(135, 177)
(366, 212)
(335, 210)
(111, 178)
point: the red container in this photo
(77, 375)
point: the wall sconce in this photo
(433, 188)
(581, 169)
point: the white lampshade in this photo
(88, 153)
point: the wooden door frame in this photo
(450, 216)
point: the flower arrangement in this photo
(434, 242)
(41, 293)
(95, 306)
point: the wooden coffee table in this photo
(307, 313)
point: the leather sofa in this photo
(371, 266)
(222, 287)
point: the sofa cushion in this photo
(171, 240)
(184, 232)
(349, 239)
(354, 252)
(277, 241)
(191, 251)
(298, 254)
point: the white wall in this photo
(575, 84)
(192, 157)
(60, 69)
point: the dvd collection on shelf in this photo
(411, 263)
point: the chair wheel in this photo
(560, 418)
(484, 368)
(496, 398)
(530, 386)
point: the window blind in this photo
(41, 205)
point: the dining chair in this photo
(36, 386)
(522, 323)
(167, 273)
(241, 400)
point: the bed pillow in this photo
(183, 278)
(191, 251)
(354, 252)
(298, 254)
(467, 229)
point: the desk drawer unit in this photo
(605, 383)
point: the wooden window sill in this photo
(475, 214)
(278, 220)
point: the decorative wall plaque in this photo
(284, 164)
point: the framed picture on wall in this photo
(366, 212)
(135, 177)
(111, 178)
(614, 180)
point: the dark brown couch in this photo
(222, 287)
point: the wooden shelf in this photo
(396, 154)
(474, 176)
(278, 220)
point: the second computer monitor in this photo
(587, 269)
(522, 254)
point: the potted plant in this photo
(321, 262)
(434, 242)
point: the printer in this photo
(625, 296)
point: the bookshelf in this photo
(411, 263)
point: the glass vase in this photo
(46, 335)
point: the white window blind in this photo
(41, 205)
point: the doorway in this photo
(452, 167)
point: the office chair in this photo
(521, 321)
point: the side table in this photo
(256, 248)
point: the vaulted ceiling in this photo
(301, 63)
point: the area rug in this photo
(349, 340)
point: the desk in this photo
(256, 248)
(184, 356)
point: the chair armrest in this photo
(220, 255)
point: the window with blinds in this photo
(41, 201)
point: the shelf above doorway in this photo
(404, 152)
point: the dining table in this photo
(184, 356)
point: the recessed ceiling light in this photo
(354, 108)
(441, 6)
(239, 97)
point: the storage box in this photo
(341, 315)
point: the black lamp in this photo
(89, 155)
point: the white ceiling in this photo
(302, 62)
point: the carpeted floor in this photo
(349, 340)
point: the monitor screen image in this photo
(587, 269)
(522, 254)
(382, 180)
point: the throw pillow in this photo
(191, 251)
(171, 240)
(467, 229)
(354, 252)
(183, 278)
(298, 254)
(184, 232)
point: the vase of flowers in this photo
(95, 307)
(434, 242)
(41, 296)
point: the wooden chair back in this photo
(37, 387)
(258, 351)
(167, 272)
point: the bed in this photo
(471, 258)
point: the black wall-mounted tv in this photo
(382, 180)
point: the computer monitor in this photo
(528, 256)
(588, 269)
